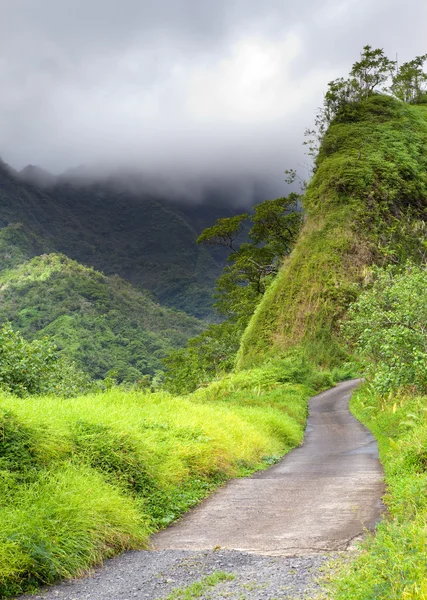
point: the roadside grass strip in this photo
(392, 564)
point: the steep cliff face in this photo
(365, 205)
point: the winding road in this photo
(319, 499)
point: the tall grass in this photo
(84, 478)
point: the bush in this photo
(387, 326)
(207, 357)
(35, 367)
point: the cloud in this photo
(188, 90)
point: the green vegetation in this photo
(207, 356)
(275, 225)
(197, 589)
(102, 323)
(392, 564)
(250, 269)
(36, 367)
(373, 74)
(387, 326)
(363, 207)
(18, 244)
(147, 241)
(145, 458)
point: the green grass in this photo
(197, 589)
(84, 478)
(392, 565)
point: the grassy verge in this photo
(84, 478)
(393, 563)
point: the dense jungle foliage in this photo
(103, 324)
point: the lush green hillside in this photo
(364, 206)
(149, 242)
(366, 213)
(102, 323)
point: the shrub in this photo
(35, 367)
(387, 326)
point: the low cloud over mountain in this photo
(182, 92)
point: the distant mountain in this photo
(37, 176)
(147, 241)
(103, 323)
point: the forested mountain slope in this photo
(103, 323)
(148, 242)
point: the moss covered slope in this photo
(363, 206)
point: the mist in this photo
(184, 94)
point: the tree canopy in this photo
(252, 263)
(374, 73)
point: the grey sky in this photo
(181, 88)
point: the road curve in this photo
(319, 498)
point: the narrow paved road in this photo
(319, 498)
(273, 531)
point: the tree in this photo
(252, 265)
(367, 76)
(224, 232)
(409, 80)
(276, 224)
(206, 356)
(372, 71)
(36, 367)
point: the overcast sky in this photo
(182, 88)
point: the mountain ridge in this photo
(151, 242)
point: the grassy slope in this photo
(144, 458)
(369, 190)
(103, 323)
(371, 177)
